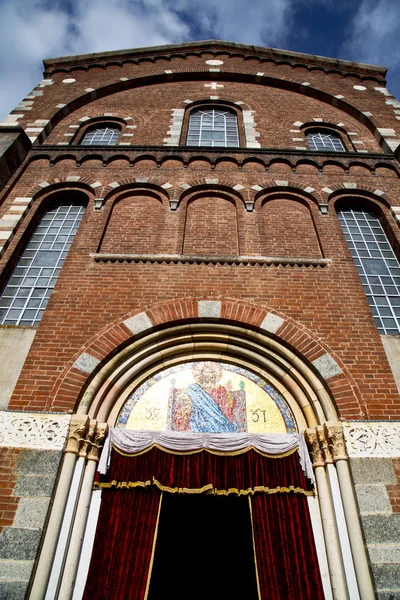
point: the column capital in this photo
(97, 441)
(337, 445)
(77, 428)
(324, 445)
(315, 447)
(86, 442)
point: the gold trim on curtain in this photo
(206, 489)
(153, 550)
(254, 549)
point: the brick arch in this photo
(101, 347)
(331, 193)
(224, 75)
(68, 182)
(384, 204)
(307, 192)
(216, 186)
(136, 184)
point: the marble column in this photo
(337, 445)
(91, 448)
(318, 444)
(76, 434)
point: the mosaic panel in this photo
(207, 397)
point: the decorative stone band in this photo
(372, 439)
(33, 430)
(212, 259)
(326, 443)
(47, 431)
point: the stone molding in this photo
(216, 259)
(33, 430)
(372, 439)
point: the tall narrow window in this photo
(213, 127)
(101, 136)
(29, 288)
(376, 264)
(324, 141)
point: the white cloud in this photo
(31, 30)
(373, 36)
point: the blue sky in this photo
(30, 30)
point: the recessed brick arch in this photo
(136, 184)
(115, 336)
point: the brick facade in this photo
(168, 226)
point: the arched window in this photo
(29, 288)
(324, 141)
(210, 126)
(376, 264)
(101, 135)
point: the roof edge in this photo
(81, 59)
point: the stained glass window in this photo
(29, 288)
(376, 264)
(101, 136)
(213, 127)
(323, 141)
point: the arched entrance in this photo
(163, 355)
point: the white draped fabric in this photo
(132, 442)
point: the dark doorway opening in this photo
(204, 549)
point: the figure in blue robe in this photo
(207, 416)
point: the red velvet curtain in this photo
(123, 545)
(287, 563)
(195, 471)
(286, 558)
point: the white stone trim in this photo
(175, 128)
(372, 439)
(250, 129)
(209, 309)
(138, 323)
(33, 430)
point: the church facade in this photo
(199, 259)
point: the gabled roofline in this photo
(213, 45)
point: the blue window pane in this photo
(213, 127)
(376, 264)
(24, 298)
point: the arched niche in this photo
(135, 224)
(211, 225)
(288, 228)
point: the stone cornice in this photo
(213, 155)
(212, 47)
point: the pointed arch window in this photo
(215, 127)
(101, 135)
(377, 266)
(324, 141)
(30, 286)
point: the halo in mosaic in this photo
(207, 397)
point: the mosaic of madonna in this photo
(207, 397)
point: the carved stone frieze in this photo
(33, 430)
(372, 439)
